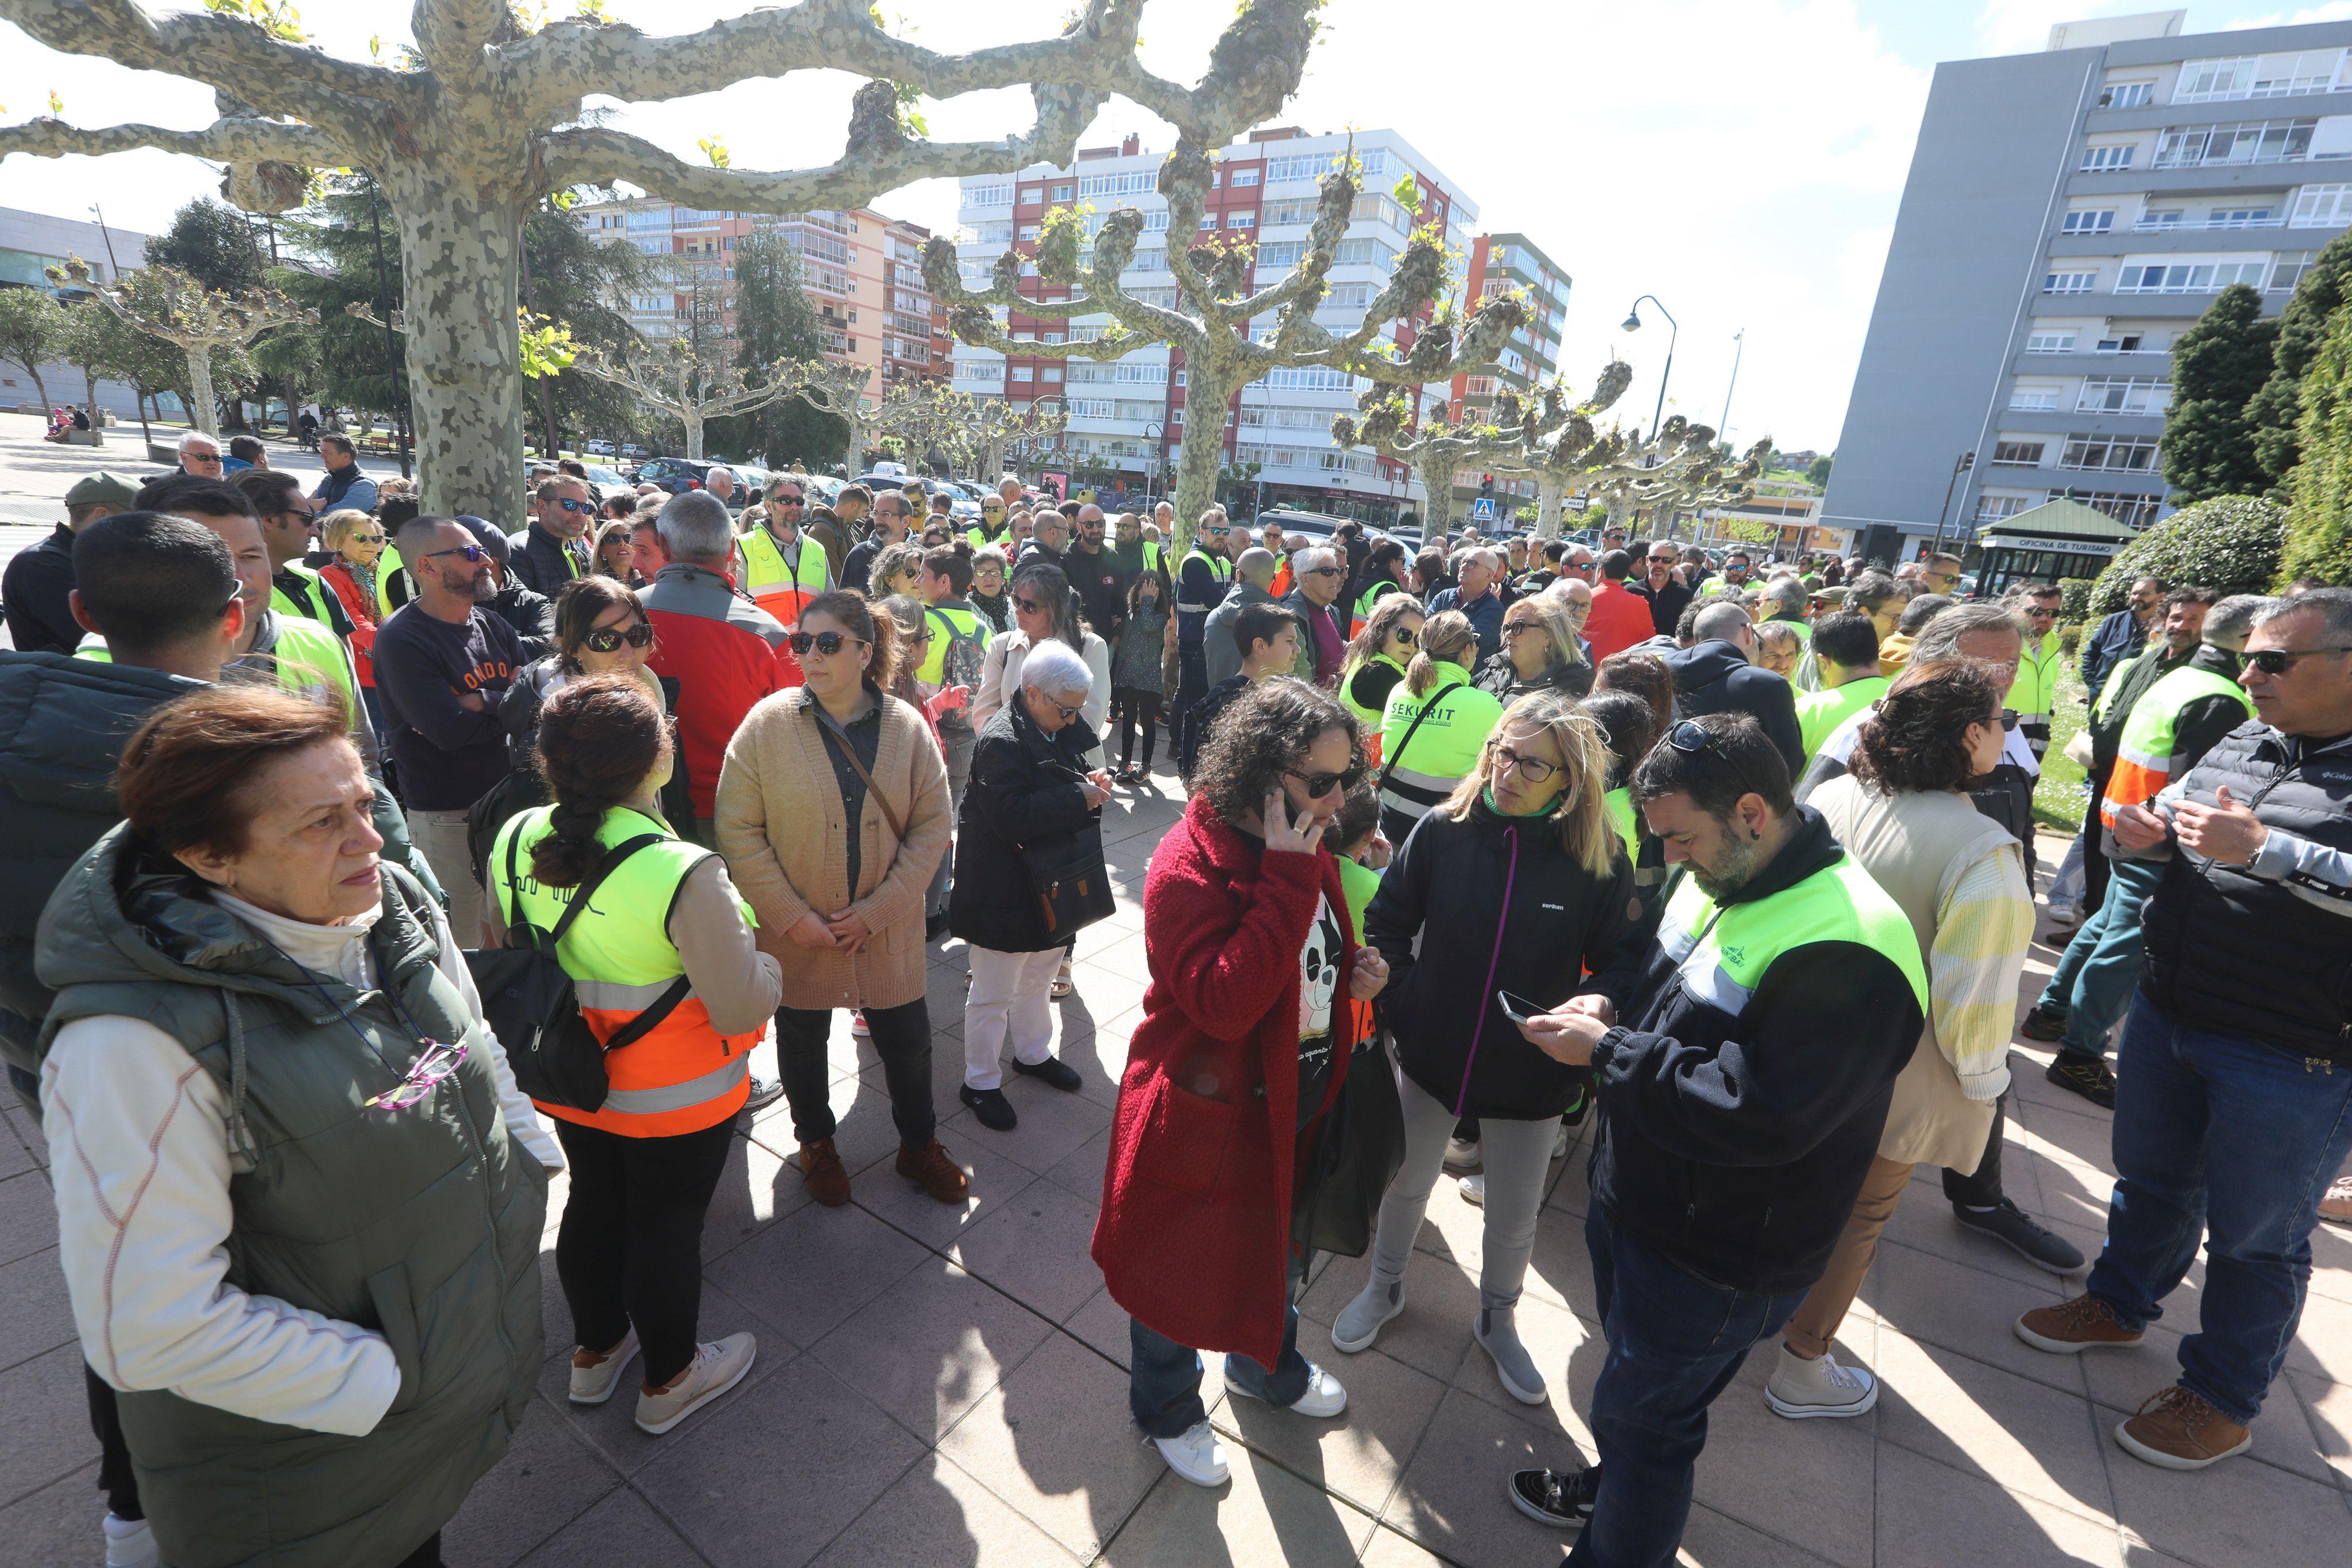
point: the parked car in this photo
(675, 475)
(599, 447)
(606, 480)
(631, 449)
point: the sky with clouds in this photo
(1742, 160)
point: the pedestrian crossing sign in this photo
(1482, 510)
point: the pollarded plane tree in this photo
(837, 387)
(1210, 322)
(1684, 469)
(920, 417)
(484, 118)
(164, 302)
(1000, 426)
(670, 376)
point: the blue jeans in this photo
(2093, 984)
(1163, 1379)
(2223, 1136)
(1674, 1342)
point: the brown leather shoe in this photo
(2073, 1327)
(2178, 1430)
(938, 1176)
(822, 1171)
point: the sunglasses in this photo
(825, 642)
(785, 501)
(608, 639)
(202, 456)
(1322, 572)
(569, 505)
(1405, 636)
(1534, 769)
(1320, 784)
(1028, 606)
(2276, 661)
(426, 1073)
(1690, 735)
(471, 552)
(367, 539)
(1069, 715)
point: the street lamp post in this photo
(1155, 432)
(1739, 347)
(1633, 323)
(1960, 465)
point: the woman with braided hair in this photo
(664, 935)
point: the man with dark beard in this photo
(1744, 1077)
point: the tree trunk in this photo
(1551, 491)
(459, 245)
(146, 436)
(991, 460)
(1205, 394)
(856, 462)
(202, 413)
(692, 419)
(1437, 475)
(42, 391)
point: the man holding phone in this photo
(1744, 1074)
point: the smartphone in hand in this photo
(1518, 1009)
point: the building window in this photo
(1052, 374)
(2258, 75)
(1061, 192)
(2126, 94)
(2070, 283)
(2204, 81)
(2191, 277)
(988, 197)
(2131, 510)
(1135, 183)
(2123, 343)
(1243, 177)
(2243, 142)
(2097, 158)
(2033, 399)
(1028, 231)
(2238, 218)
(1023, 373)
(2129, 453)
(2321, 207)
(2124, 394)
(2098, 223)
(1992, 509)
(2050, 343)
(2159, 218)
(2018, 454)
(2288, 270)
(1241, 220)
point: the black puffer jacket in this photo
(1714, 677)
(1497, 904)
(1023, 791)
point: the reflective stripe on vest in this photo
(1724, 954)
(681, 1077)
(1370, 718)
(1219, 568)
(2143, 750)
(1365, 600)
(1444, 749)
(773, 583)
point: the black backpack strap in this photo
(1405, 739)
(606, 867)
(643, 1024)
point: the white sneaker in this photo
(595, 1385)
(1324, 1397)
(1800, 1389)
(1472, 1189)
(1199, 1455)
(1461, 1156)
(859, 1027)
(1559, 1143)
(716, 1368)
(130, 1544)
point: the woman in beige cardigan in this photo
(832, 813)
(1903, 814)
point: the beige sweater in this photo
(780, 825)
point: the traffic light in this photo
(1487, 486)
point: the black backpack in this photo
(534, 1008)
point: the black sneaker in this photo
(2088, 1076)
(1563, 1499)
(2043, 1024)
(990, 1108)
(2041, 1248)
(1053, 1072)
(935, 925)
(765, 1092)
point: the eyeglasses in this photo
(1069, 715)
(2275, 661)
(1405, 636)
(1690, 735)
(825, 642)
(1028, 606)
(1319, 784)
(201, 457)
(1534, 769)
(2036, 612)
(471, 552)
(608, 639)
(1516, 627)
(1322, 572)
(785, 501)
(569, 505)
(426, 1073)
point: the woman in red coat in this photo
(1241, 1049)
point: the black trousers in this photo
(1981, 1190)
(902, 1038)
(1135, 707)
(2094, 860)
(1191, 683)
(630, 1247)
(114, 1477)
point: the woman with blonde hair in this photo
(357, 540)
(1541, 652)
(1433, 725)
(1516, 884)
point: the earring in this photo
(1754, 834)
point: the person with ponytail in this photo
(1434, 724)
(1516, 883)
(832, 813)
(665, 933)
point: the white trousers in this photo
(1011, 992)
(441, 837)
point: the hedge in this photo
(2229, 544)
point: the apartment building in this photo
(30, 243)
(1129, 416)
(1498, 263)
(863, 269)
(2067, 215)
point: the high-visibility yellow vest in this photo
(2144, 752)
(1727, 953)
(683, 1075)
(1819, 713)
(311, 604)
(773, 583)
(1443, 750)
(950, 625)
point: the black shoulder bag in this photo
(1390, 764)
(534, 1008)
(1069, 880)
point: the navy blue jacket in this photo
(2112, 640)
(1714, 677)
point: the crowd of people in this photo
(1479, 841)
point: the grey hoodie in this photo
(1217, 632)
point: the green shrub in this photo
(2229, 544)
(2074, 603)
(2319, 490)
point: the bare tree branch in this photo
(224, 140)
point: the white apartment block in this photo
(1130, 414)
